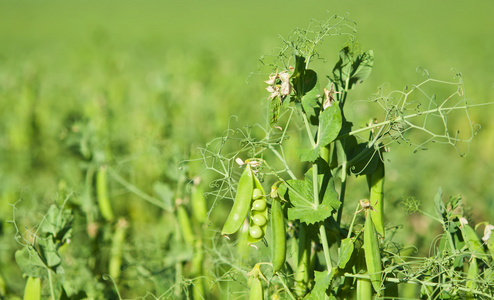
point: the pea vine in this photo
(314, 253)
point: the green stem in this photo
(309, 132)
(51, 283)
(287, 289)
(322, 229)
(132, 188)
(403, 118)
(325, 247)
(287, 168)
(342, 192)
(444, 286)
(350, 229)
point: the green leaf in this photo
(323, 281)
(351, 68)
(342, 68)
(439, 205)
(49, 253)
(30, 263)
(330, 122)
(361, 68)
(300, 194)
(58, 223)
(346, 251)
(164, 193)
(310, 96)
(363, 160)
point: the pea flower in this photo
(279, 85)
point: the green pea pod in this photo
(185, 226)
(473, 273)
(372, 253)
(242, 251)
(256, 290)
(376, 197)
(242, 203)
(32, 291)
(303, 270)
(196, 270)
(118, 240)
(199, 205)
(259, 211)
(364, 289)
(278, 233)
(102, 194)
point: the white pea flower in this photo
(279, 85)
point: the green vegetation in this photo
(121, 123)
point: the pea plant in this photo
(309, 239)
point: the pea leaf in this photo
(310, 96)
(48, 252)
(346, 251)
(300, 194)
(323, 281)
(353, 68)
(30, 263)
(330, 122)
(439, 205)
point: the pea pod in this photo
(256, 290)
(102, 194)
(259, 212)
(116, 251)
(185, 226)
(376, 197)
(32, 291)
(278, 232)
(199, 205)
(364, 289)
(473, 273)
(372, 254)
(242, 203)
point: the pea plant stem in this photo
(339, 147)
(315, 182)
(132, 188)
(443, 285)
(285, 286)
(439, 109)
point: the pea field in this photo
(246, 150)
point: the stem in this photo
(287, 289)
(51, 284)
(325, 247)
(418, 282)
(132, 188)
(309, 132)
(288, 170)
(350, 229)
(315, 185)
(322, 229)
(402, 118)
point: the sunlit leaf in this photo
(300, 194)
(351, 69)
(330, 122)
(346, 251)
(30, 263)
(323, 281)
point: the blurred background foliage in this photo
(140, 85)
